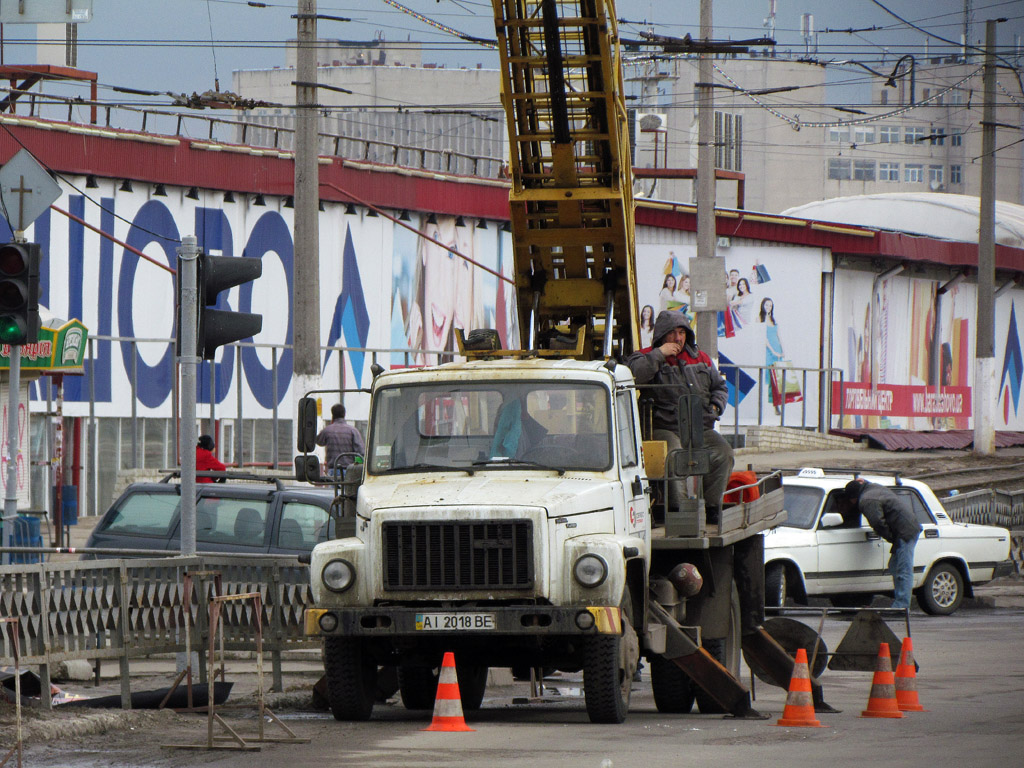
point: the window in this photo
(864, 170)
(956, 140)
(888, 171)
(954, 174)
(913, 173)
(149, 514)
(889, 134)
(231, 521)
(864, 134)
(302, 525)
(838, 169)
(924, 517)
(913, 134)
(938, 137)
(936, 175)
(627, 437)
(840, 133)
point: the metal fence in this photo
(119, 610)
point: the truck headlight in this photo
(338, 575)
(590, 570)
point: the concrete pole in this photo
(306, 285)
(13, 403)
(707, 320)
(984, 401)
(188, 255)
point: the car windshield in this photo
(490, 425)
(801, 504)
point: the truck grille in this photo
(458, 555)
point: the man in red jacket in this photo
(206, 461)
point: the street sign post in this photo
(26, 190)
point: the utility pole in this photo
(306, 275)
(984, 401)
(188, 257)
(707, 273)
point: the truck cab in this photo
(503, 515)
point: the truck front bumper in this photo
(399, 621)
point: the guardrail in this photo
(124, 609)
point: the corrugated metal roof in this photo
(906, 440)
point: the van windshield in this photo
(490, 425)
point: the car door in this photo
(232, 523)
(300, 525)
(851, 557)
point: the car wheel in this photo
(775, 586)
(609, 662)
(942, 591)
(351, 678)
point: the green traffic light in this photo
(12, 331)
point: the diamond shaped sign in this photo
(26, 190)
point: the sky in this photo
(187, 45)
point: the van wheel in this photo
(351, 678)
(942, 591)
(609, 662)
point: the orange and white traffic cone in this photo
(799, 709)
(906, 680)
(448, 701)
(882, 699)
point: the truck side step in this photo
(703, 668)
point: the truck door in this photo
(638, 502)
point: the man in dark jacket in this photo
(675, 362)
(892, 519)
(340, 438)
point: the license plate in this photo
(454, 621)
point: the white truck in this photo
(504, 510)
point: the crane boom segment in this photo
(572, 189)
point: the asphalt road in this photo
(971, 679)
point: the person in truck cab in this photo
(675, 363)
(892, 519)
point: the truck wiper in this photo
(510, 461)
(424, 465)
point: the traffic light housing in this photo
(218, 327)
(19, 293)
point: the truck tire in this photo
(673, 691)
(942, 591)
(726, 650)
(351, 678)
(418, 686)
(775, 585)
(609, 662)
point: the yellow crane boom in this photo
(572, 185)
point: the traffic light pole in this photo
(188, 257)
(13, 402)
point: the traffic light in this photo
(219, 326)
(19, 293)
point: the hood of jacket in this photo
(669, 320)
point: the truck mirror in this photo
(307, 424)
(307, 468)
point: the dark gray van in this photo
(256, 516)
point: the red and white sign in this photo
(855, 399)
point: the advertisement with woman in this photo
(772, 322)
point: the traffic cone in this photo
(906, 680)
(882, 699)
(448, 701)
(799, 709)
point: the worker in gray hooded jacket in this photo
(675, 362)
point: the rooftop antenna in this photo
(769, 23)
(966, 35)
(807, 31)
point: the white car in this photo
(815, 554)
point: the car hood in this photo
(558, 495)
(783, 536)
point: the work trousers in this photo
(721, 463)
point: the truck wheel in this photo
(726, 651)
(775, 585)
(609, 662)
(673, 691)
(418, 686)
(351, 678)
(942, 590)
(472, 685)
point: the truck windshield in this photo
(490, 425)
